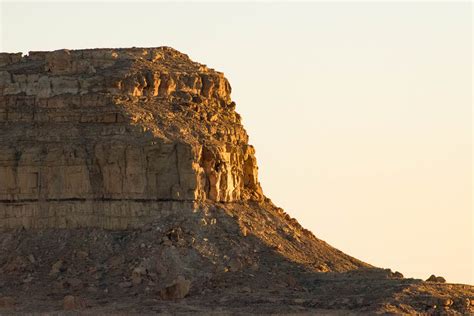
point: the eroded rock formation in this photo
(147, 143)
(109, 137)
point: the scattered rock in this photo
(31, 258)
(82, 254)
(299, 301)
(254, 267)
(235, 265)
(125, 284)
(178, 290)
(74, 282)
(447, 302)
(437, 279)
(166, 241)
(93, 289)
(176, 235)
(115, 261)
(137, 274)
(246, 289)
(28, 279)
(291, 281)
(56, 268)
(323, 268)
(136, 279)
(71, 302)
(397, 275)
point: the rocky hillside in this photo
(127, 185)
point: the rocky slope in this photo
(127, 185)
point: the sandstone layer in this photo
(104, 137)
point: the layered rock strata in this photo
(109, 137)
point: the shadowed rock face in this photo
(103, 137)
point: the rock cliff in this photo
(127, 185)
(105, 137)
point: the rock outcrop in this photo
(127, 185)
(109, 137)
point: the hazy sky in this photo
(361, 113)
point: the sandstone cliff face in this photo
(109, 137)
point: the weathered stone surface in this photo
(179, 289)
(83, 128)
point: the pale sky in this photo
(361, 113)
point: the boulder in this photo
(437, 279)
(178, 290)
